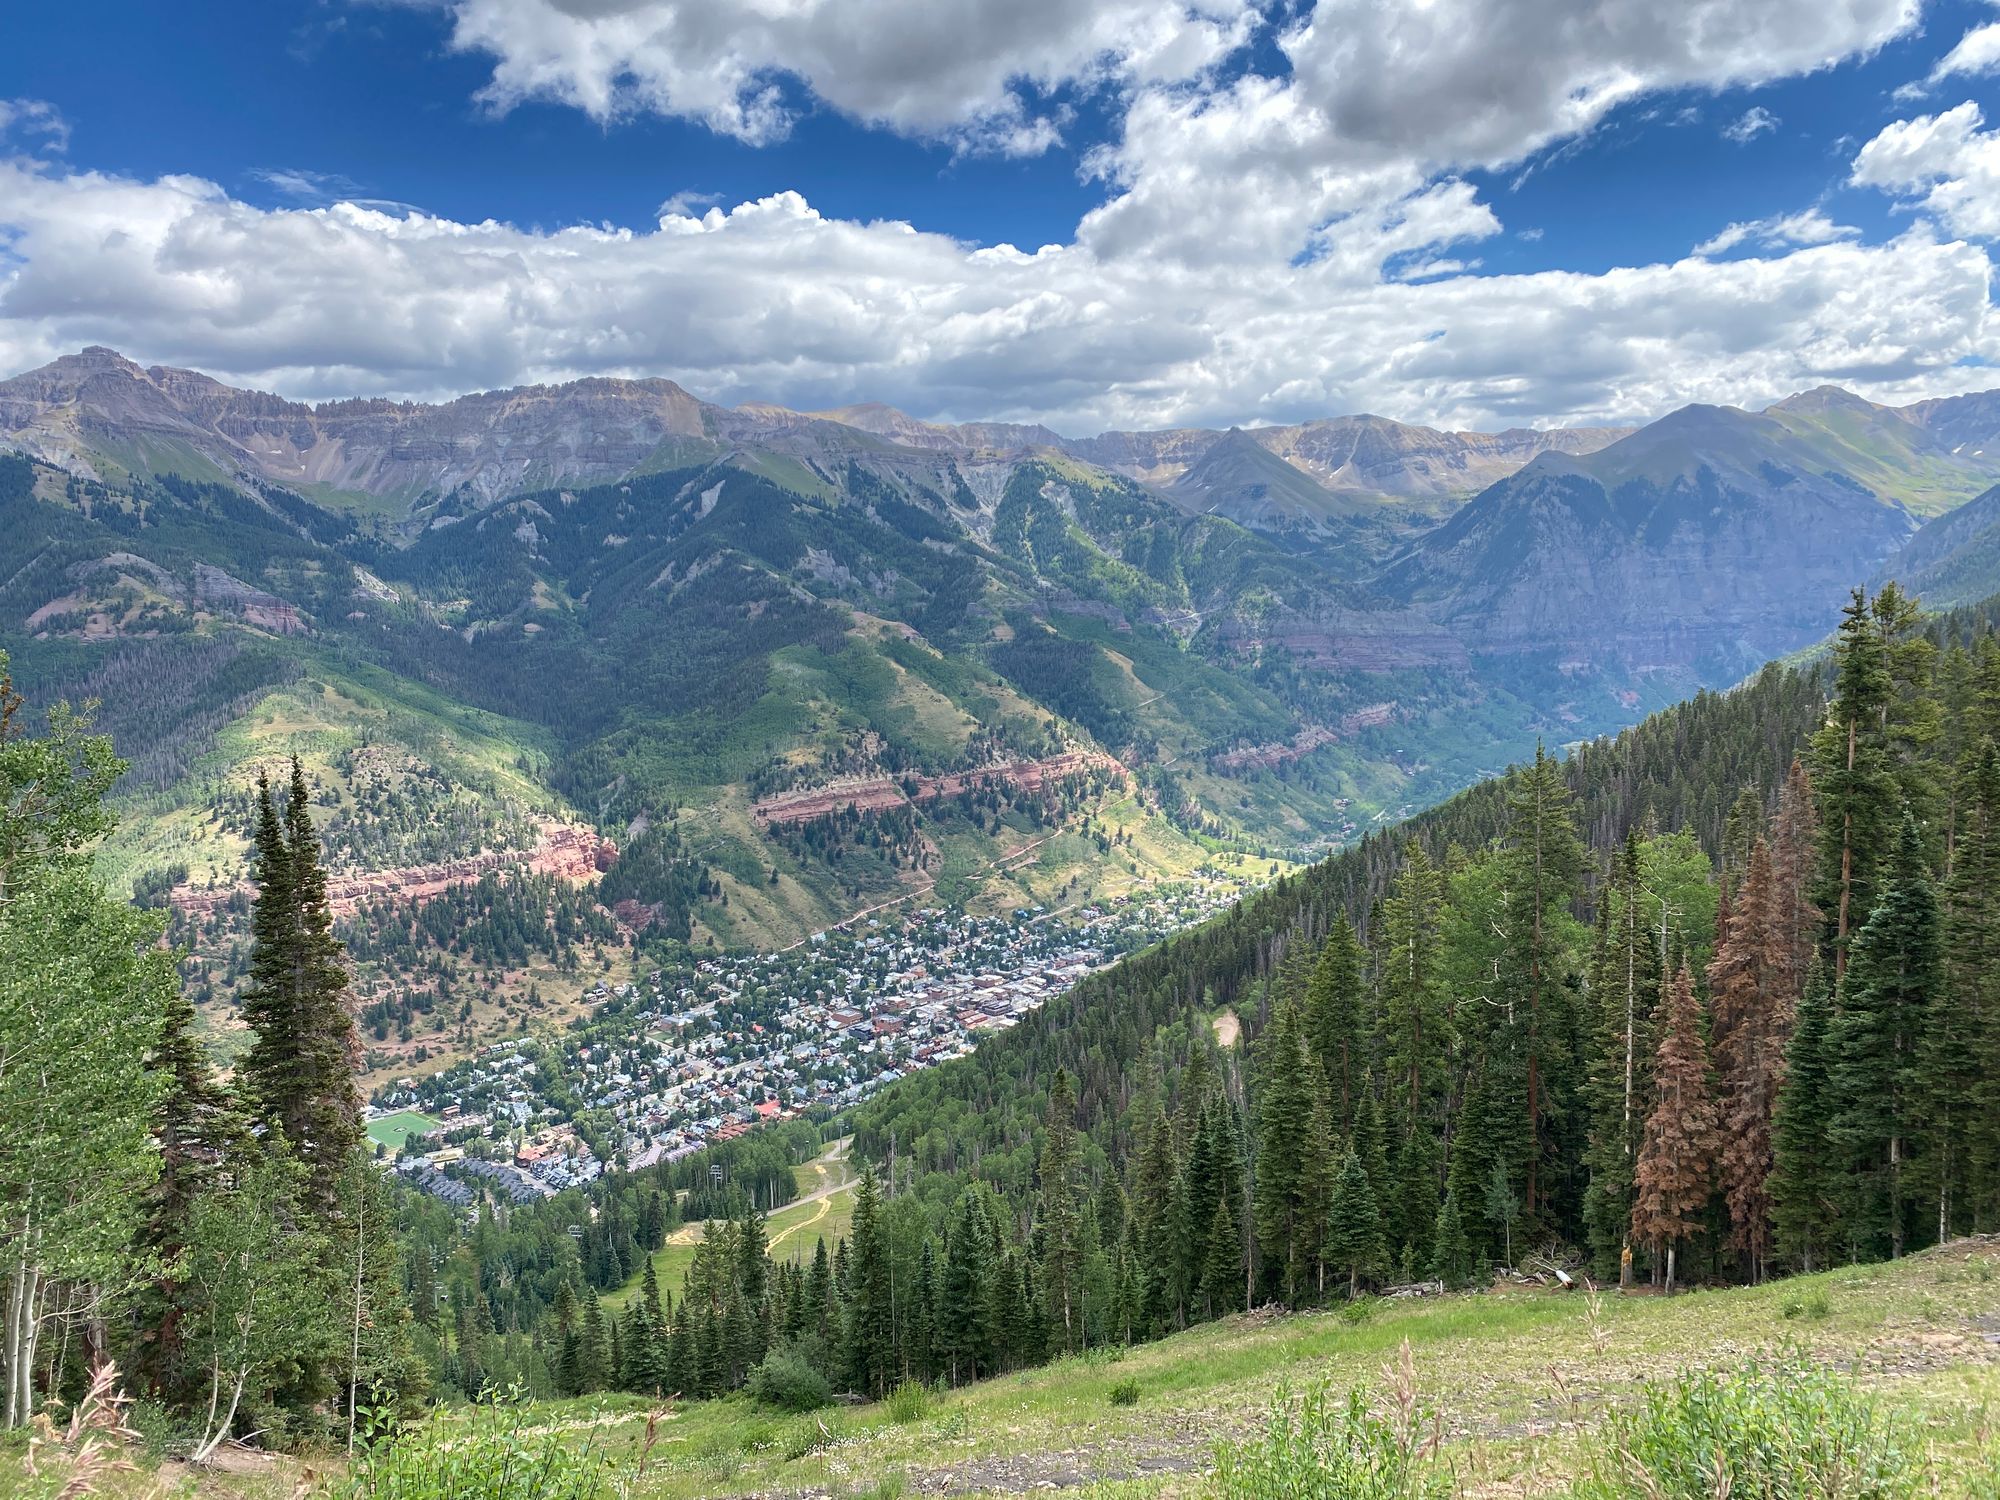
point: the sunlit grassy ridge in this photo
(1522, 1383)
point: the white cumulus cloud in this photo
(965, 72)
(1269, 245)
(1809, 227)
(771, 300)
(1944, 164)
(1976, 54)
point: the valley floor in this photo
(1519, 1380)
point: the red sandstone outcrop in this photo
(877, 793)
(565, 850)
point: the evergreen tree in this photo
(1676, 1164)
(1543, 861)
(1354, 1229)
(819, 1295)
(921, 1345)
(1752, 1008)
(593, 1367)
(1852, 771)
(1625, 975)
(1876, 1046)
(1222, 1269)
(1802, 1180)
(646, 1339)
(298, 1074)
(1316, 1183)
(1337, 1017)
(964, 1347)
(1061, 1216)
(1414, 1036)
(1287, 1241)
(197, 1130)
(1451, 1261)
(1962, 1053)
(871, 1353)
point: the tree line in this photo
(226, 1246)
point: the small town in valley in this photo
(666, 1065)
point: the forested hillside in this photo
(1606, 1012)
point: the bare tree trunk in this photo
(354, 1367)
(217, 1433)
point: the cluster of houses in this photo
(676, 1062)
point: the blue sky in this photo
(1467, 211)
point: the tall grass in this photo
(909, 1402)
(1785, 1430)
(490, 1453)
(1327, 1446)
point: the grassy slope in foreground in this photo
(1521, 1380)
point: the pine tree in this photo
(646, 1335)
(921, 1344)
(1285, 1146)
(1675, 1174)
(196, 1129)
(594, 1347)
(1354, 1229)
(1796, 922)
(1752, 1018)
(1061, 1214)
(820, 1295)
(298, 1074)
(1337, 1017)
(963, 1345)
(1543, 860)
(273, 1075)
(1316, 1183)
(1451, 1256)
(871, 1353)
(1222, 1268)
(1801, 1178)
(1853, 774)
(1412, 1005)
(1962, 1060)
(1876, 1045)
(1624, 985)
(1153, 1190)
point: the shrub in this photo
(490, 1453)
(1811, 1305)
(1787, 1432)
(785, 1380)
(909, 1402)
(1125, 1393)
(1323, 1446)
(813, 1435)
(1358, 1310)
(953, 1424)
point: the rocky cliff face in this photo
(1700, 541)
(96, 408)
(568, 851)
(87, 408)
(1956, 558)
(1354, 457)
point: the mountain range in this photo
(755, 670)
